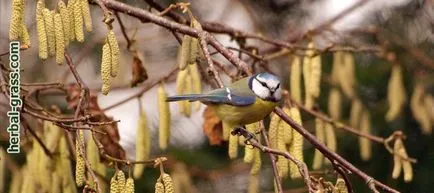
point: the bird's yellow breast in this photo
(237, 116)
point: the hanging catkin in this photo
(295, 78)
(330, 137)
(185, 51)
(70, 10)
(114, 53)
(194, 43)
(164, 116)
(334, 104)
(356, 109)
(346, 74)
(49, 30)
(365, 144)
(65, 22)
(273, 130)
(105, 68)
(181, 86)
(56, 184)
(285, 129)
(254, 184)
(318, 158)
(186, 110)
(249, 149)
(159, 187)
(315, 76)
(418, 109)
(395, 93)
(24, 36)
(129, 186)
(86, 15)
(78, 20)
(308, 101)
(40, 30)
(80, 165)
(296, 147)
(120, 177)
(15, 27)
(60, 38)
(284, 135)
(114, 185)
(143, 144)
(257, 162)
(397, 161)
(16, 183)
(168, 183)
(233, 146)
(196, 83)
(336, 67)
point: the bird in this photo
(245, 101)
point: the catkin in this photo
(120, 177)
(248, 149)
(24, 37)
(194, 43)
(78, 20)
(114, 185)
(60, 38)
(397, 161)
(40, 30)
(315, 76)
(307, 60)
(226, 130)
(285, 129)
(87, 19)
(318, 158)
(340, 186)
(92, 153)
(70, 10)
(159, 187)
(129, 186)
(185, 51)
(49, 29)
(346, 74)
(254, 185)
(181, 84)
(408, 170)
(296, 147)
(233, 146)
(334, 104)
(356, 109)
(65, 22)
(284, 135)
(56, 184)
(168, 183)
(295, 79)
(365, 144)
(418, 109)
(80, 165)
(196, 83)
(115, 53)
(16, 183)
(273, 130)
(330, 137)
(256, 165)
(395, 93)
(164, 115)
(16, 19)
(105, 68)
(143, 144)
(406, 165)
(336, 67)
(186, 110)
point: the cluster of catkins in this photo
(118, 184)
(164, 184)
(17, 28)
(109, 61)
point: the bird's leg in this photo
(243, 131)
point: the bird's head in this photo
(266, 86)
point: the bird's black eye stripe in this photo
(278, 85)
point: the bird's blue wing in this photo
(218, 96)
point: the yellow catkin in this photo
(315, 76)
(254, 185)
(87, 19)
(105, 68)
(78, 20)
(49, 29)
(70, 9)
(185, 51)
(64, 167)
(159, 187)
(168, 183)
(395, 93)
(295, 78)
(129, 186)
(346, 74)
(406, 165)
(16, 19)
(65, 21)
(180, 86)
(285, 129)
(330, 137)
(164, 116)
(318, 158)
(408, 171)
(418, 109)
(196, 83)
(60, 38)
(249, 149)
(115, 53)
(28, 183)
(194, 44)
(365, 144)
(336, 67)
(397, 161)
(284, 135)
(296, 147)
(114, 185)
(334, 104)
(120, 177)
(356, 109)
(80, 165)
(306, 76)
(40, 30)
(24, 37)
(257, 162)
(340, 186)
(273, 130)
(56, 184)
(226, 131)
(16, 183)
(186, 110)
(233, 146)
(143, 144)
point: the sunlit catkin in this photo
(143, 144)
(397, 160)
(120, 177)
(315, 76)
(70, 9)
(296, 147)
(318, 158)
(233, 146)
(295, 78)
(168, 183)
(60, 41)
(346, 74)
(164, 116)
(285, 129)
(365, 144)
(399, 149)
(283, 135)
(395, 93)
(65, 21)
(105, 68)
(340, 186)
(194, 44)
(330, 137)
(86, 15)
(40, 30)
(186, 110)
(334, 104)
(336, 67)
(49, 30)
(80, 165)
(418, 109)
(159, 187)
(78, 20)
(273, 130)
(181, 81)
(115, 53)
(356, 109)
(114, 185)
(226, 131)
(196, 83)
(184, 54)
(257, 162)
(16, 19)
(129, 186)
(308, 99)
(24, 37)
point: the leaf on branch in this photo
(212, 127)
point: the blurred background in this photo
(403, 27)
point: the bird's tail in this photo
(190, 97)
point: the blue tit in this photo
(245, 101)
